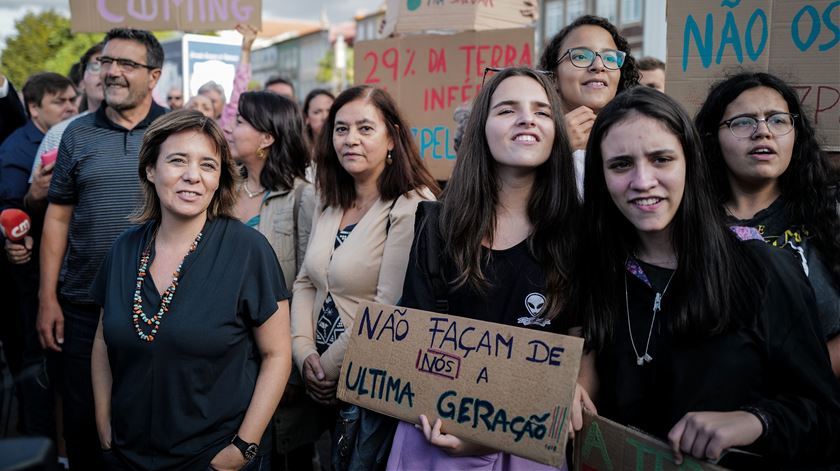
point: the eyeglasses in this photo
(125, 64)
(491, 71)
(583, 57)
(93, 67)
(779, 124)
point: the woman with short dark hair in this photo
(267, 139)
(193, 350)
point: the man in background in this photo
(175, 98)
(653, 73)
(216, 94)
(94, 185)
(280, 86)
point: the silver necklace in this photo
(657, 306)
(249, 193)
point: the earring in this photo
(388, 159)
(261, 153)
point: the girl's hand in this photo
(579, 122)
(705, 435)
(579, 403)
(451, 444)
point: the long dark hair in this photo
(471, 198)
(806, 185)
(279, 116)
(629, 71)
(307, 101)
(716, 279)
(407, 171)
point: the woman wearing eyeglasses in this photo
(591, 62)
(769, 173)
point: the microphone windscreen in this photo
(14, 223)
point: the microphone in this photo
(14, 224)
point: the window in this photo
(553, 17)
(608, 9)
(574, 10)
(631, 11)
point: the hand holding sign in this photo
(450, 443)
(705, 435)
(498, 386)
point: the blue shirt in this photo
(16, 156)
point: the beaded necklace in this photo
(138, 317)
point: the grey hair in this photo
(211, 85)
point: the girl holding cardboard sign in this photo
(768, 171)
(491, 249)
(681, 317)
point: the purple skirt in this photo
(411, 451)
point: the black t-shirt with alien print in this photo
(516, 284)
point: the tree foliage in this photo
(327, 73)
(43, 43)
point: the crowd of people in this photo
(185, 295)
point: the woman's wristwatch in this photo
(249, 450)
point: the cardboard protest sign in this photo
(506, 387)
(89, 16)
(603, 445)
(417, 16)
(798, 41)
(431, 75)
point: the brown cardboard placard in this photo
(506, 387)
(417, 16)
(431, 75)
(604, 445)
(89, 16)
(798, 41)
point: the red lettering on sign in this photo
(437, 60)
(820, 108)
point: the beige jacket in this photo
(368, 266)
(277, 224)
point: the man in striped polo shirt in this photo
(94, 189)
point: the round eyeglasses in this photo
(583, 57)
(778, 124)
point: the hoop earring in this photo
(388, 159)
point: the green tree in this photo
(40, 38)
(327, 71)
(43, 43)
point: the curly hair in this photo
(807, 185)
(629, 71)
